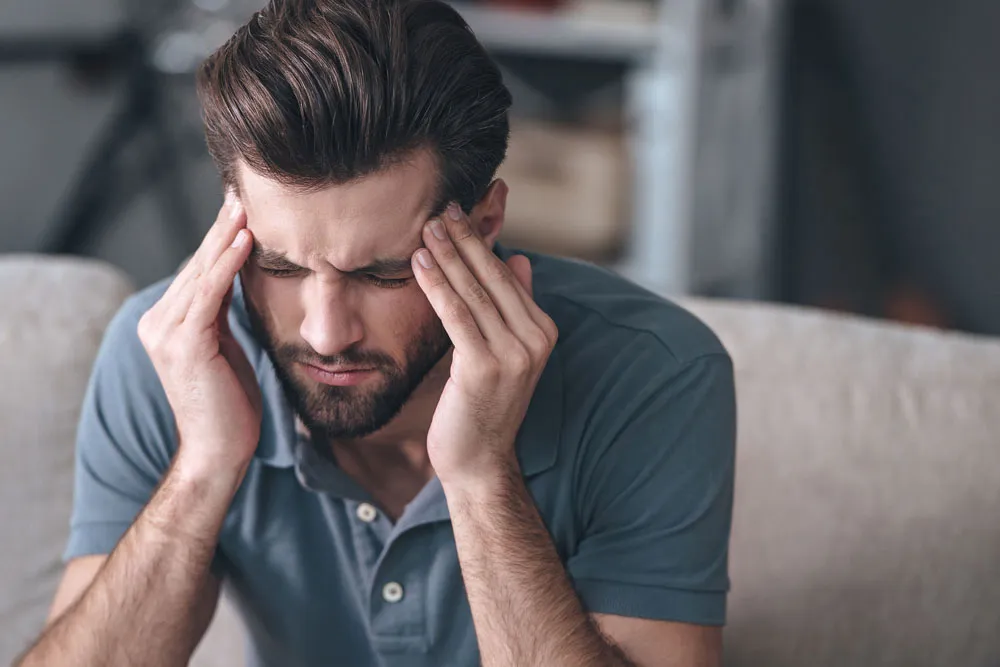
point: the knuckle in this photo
(460, 231)
(497, 271)
(145, 327)
(436, 279)
(550, 329)
(456, 311)
(447, 253)
(540, 343)
(204, 289)
(477, 294)
(172, 350)
(518, 360)
(149, 330)
(186, 264)
(487, 370)
(193, 269)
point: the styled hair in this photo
(314, 93)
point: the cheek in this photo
(277, 300)
(393, 317)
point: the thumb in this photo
(222, 320)
(521, 267)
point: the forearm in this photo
(153, 598)
(525, 610)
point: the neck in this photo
(410, 426)
(392, 463)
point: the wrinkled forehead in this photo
(346, 225)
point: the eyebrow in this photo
(383, 266)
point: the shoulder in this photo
(125, 323)
(122, 351)
(646, 445)
(125, 413)
(632, 363)
(601, 313)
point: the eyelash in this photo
(387, 283)
(383, 283)
(279, 273)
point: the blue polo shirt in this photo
(627, 449)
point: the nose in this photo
(331, 324)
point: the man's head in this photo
(343, 126)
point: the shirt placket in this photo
(399, 585)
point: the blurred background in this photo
(836, 153)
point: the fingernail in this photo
(437, 229)
(241, 236)
(454, 211)
(425, 259)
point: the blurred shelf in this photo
(661, 82)
(562, 33)
(699, 103)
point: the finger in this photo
(228, 221)
(455, 315)
(211, 288)
(223, 320)
(183, 290)
(491, 272)
(520, 266)
(451, 264)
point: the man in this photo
(351, 408)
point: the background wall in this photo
(891, 176)
(892, 150)
(49, 118)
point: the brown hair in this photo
(313, 93)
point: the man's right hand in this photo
(159, 574)
(211, 387)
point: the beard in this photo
(332, 413)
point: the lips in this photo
(334, 371)
(339, 377)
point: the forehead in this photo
(376, 217)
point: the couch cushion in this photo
(866, 527)
(868, 479)
(52, 316)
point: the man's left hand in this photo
(502, 342)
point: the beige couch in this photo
(867, 523)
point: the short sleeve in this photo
(656, 500)
(125, 438)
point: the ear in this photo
(487, 217)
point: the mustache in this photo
(363, 358)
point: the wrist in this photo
(484, 485)
(202, 476)
(192, 502)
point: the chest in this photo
(389, 494)
(390, 480)
(322, 580)
(328, 579)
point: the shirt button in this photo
(392, 592)
(367, 513)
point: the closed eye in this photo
(386, 283)
(281, 272)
